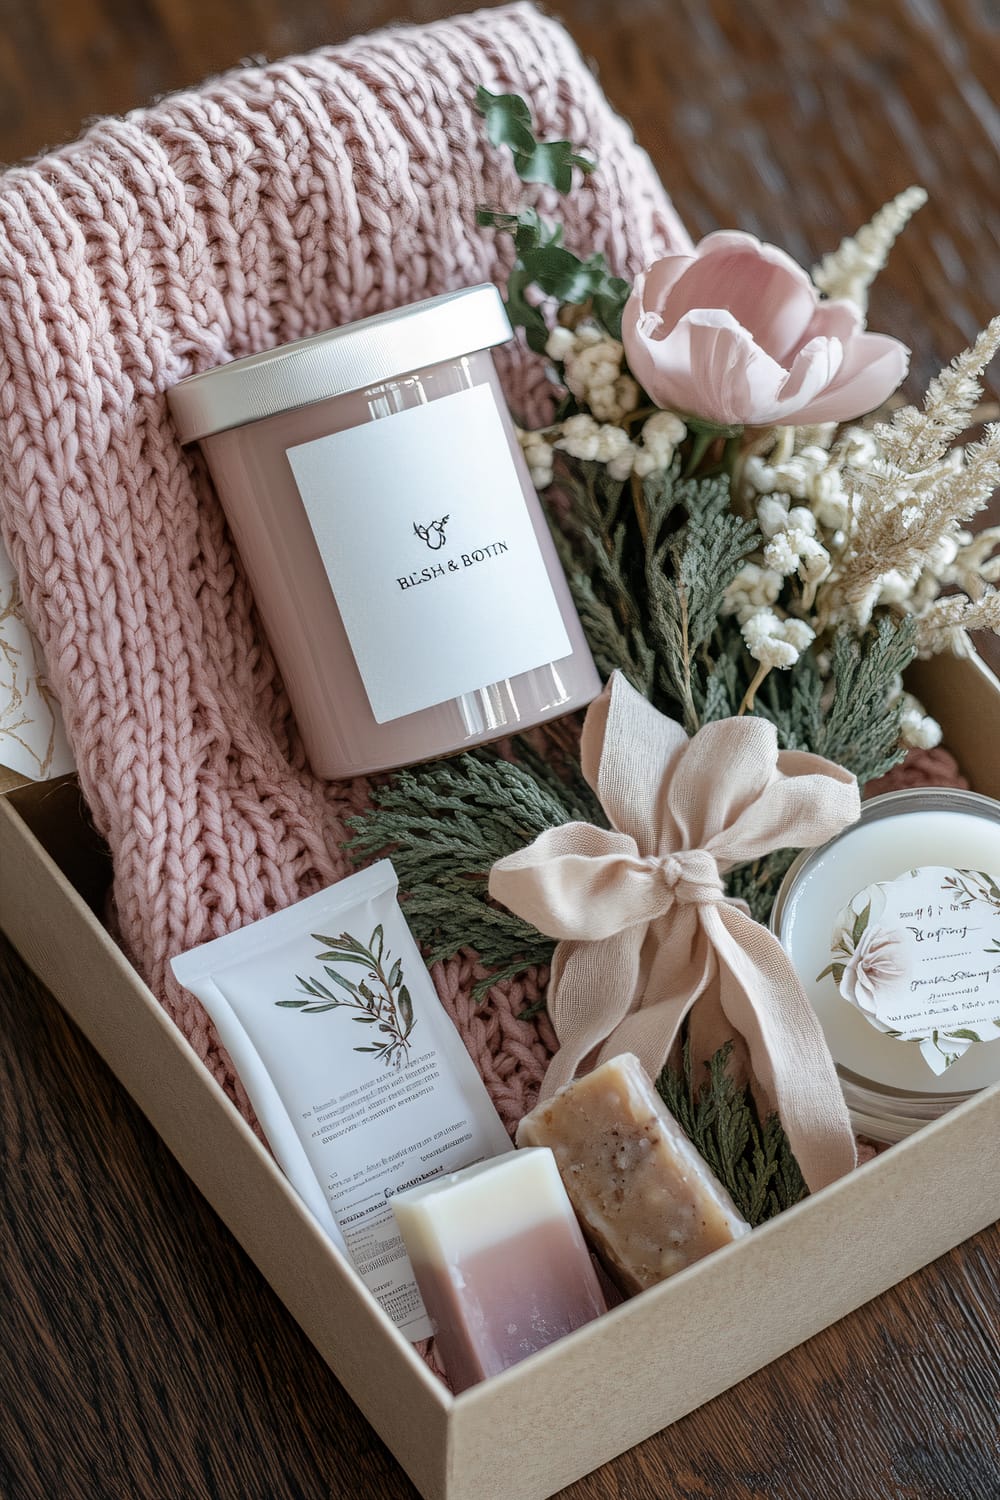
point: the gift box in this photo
(614, 1382)
(210, 290)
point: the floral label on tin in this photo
(920, 958)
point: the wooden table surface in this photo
(142, 1354)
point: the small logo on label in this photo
(432, 533)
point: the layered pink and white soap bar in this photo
(500, 1261)
(649, 1204)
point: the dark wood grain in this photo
(142, 1355)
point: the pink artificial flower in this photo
(735, 333)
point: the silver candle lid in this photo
(351, 358)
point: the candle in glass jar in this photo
(894, 930)
(397, 551)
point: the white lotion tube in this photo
(359, 1079)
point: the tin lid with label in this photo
(893, 928)
(352, 358)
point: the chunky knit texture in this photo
(270, 204)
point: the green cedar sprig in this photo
(752, 1160)
(648, 565)
(445, 824)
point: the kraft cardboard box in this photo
(614, 1382)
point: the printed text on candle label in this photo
(467, 560)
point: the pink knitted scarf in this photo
(268, 205)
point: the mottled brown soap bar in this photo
(647, 1201)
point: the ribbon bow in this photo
(644, 925)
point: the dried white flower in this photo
(619, 458)
(794, 476)
(592, 370)
(772, 514)
(758, 475)
(800, 518)
(797, 551)
(830, 501)
(814, 562)
(594, 365)
(856, 448)
(797, 633)
(752, 589)
(781, 554)
(615, 402)
(582, 437)
(538, 455)
(776, 513)
(774, 642)
(561, 341)
(850, 270)
(917, 730)
(817, 458)
(663, 430)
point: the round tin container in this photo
(895, 920)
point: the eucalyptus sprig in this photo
(542, 260)
(508, 123)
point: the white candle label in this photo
(920, 958)
(430, 551)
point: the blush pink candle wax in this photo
(399, 558)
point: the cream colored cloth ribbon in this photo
(643, 922)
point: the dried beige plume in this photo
(919, 489)
(850, 270)
(945, 625)
(917, 439)
(976, 563)
(900, 517)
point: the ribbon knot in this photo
(692, 876)
(645, 928)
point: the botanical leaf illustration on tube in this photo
(380, 998)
